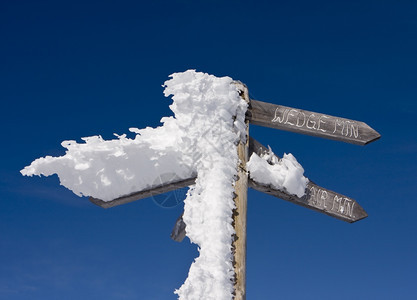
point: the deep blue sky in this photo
(71, 69)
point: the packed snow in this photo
(107, 169)
(283, 174)
(200, 139)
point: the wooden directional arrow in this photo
(310, 123)
(317, 198)
(320, 199)
(149, 192)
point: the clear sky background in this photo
(71, 69)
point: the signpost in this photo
(240, 212)
(317, 198)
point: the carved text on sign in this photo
(315, 121)
(329, 201)
(318, 197)
(343, 205)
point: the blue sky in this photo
(79, 68)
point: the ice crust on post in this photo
(218, 125)
(200, 139)
(283, 174)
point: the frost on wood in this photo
(199, 140)
(107, 169)
(209, 204)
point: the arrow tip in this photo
(373, 136)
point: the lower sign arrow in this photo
(315, 197)
(320, 199)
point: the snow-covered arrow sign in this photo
(206, 144)
(158, 188)
(310, 123)
(315, 197)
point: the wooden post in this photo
(239, 215)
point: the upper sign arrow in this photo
(311, 123)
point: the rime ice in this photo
(200, 139)
(282, 174)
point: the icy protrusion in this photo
(283, 174)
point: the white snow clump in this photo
(283, 174)
(200, 139)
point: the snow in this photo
(107, 169)
(200, 139)
(283, 174)
(209, 204)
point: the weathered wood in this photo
(240, 212)
(152, 191)
(178, 232)
(310, 200)
(316, 197)
(310, 123)
(313, 199)
(319, 199)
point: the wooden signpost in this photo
(316, 198)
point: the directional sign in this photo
(161, 188)
(321, 200)
(316, 197)
(310, 123)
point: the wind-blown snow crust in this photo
(216, 116)
(283, 174)
(200, 139)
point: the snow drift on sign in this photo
(282, 174)
(200, 139)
